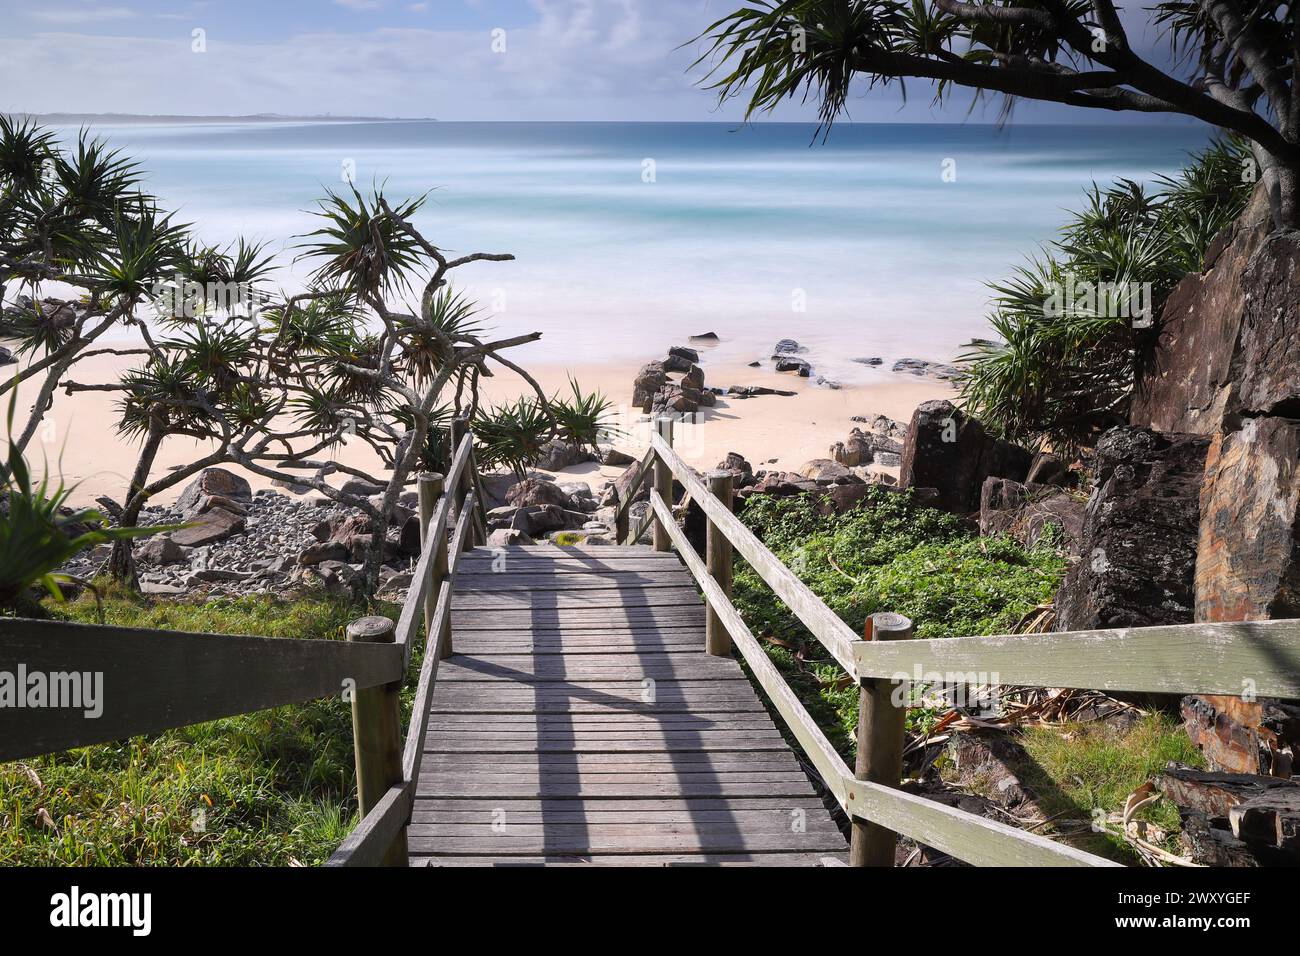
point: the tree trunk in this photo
(121, 565)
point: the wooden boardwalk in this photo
(580, 721)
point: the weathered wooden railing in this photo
(1187, 659)
(158, 680)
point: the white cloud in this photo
(72, 15)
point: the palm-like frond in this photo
(361, 249)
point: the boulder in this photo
(534, 491)
(827, 472)
(786, 347)
(949, 451)
(705, 337)
(213, 483)
(506, 537)
(749, 391)
(558, 455)
(737, 465)
(788, 363)
(408, 540)
(211, 526)
(324, 551)
(676, 363)
(496, 487)
(1205, 369)
(1248, 564)
(160, 549)
(1049, 469)
(612, 456)
(682, 352)
(648, 381)
(694, 378)
(357, 488)
(1024, 511)
(1139, 534)
(674, 398)
(939, 370)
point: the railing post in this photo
(663, 484)
(622, 521)
(377, 733)
(465, 482)
(717, 640)
(431, 490)
(881, 732)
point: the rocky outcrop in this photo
(648, 381)
(949, 451)
(922, 367)
(865, 448)
(1248, 562)
(214, 488)
(558, 455)
(1200, 374)
(1139, 534)
(1027, 511)
(535, 491)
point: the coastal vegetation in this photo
(1077, 327)
(269, 788)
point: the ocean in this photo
(630, 237)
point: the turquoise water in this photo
(736, 230)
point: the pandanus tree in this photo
(377, 349)
(1233, 64)
(276, 383)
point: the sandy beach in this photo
(79, 440)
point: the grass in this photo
(269, 788)
(1083, 767)
(892, 555)
(886, 555)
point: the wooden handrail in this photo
(370, 839)
(639, 477)
(963, 835)
(409, 620)
(414, 747)
(155, 680)
(824, 624)
(1178, 659)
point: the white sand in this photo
(79, 439)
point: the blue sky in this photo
(562, 60)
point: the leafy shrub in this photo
(1062, 375)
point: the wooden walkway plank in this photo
(580, 722)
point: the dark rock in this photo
(1248, 563)
(324, 551)
(676, 363)
(949, 451)
(212, 483)
(1049, 469)
(737, 465)
(705, 337)
(824, 471)
(1243, 736)
(681, 351)
(755, 364)
(873, 360)
(694, 378)
(357, 488)
(505, 537)
(1026, 511)
(830, 383)
(160, 549)
(408, 541)
(673, 398)
(1200, 373)
(6, 356)
(533, 491)
(1139, 534)
(496, 488)
(749, 391)
(938, 370)
(787, 347)
(211, 526)
(648, 381)
(558, 455)
(787, 363)
(612, 456)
